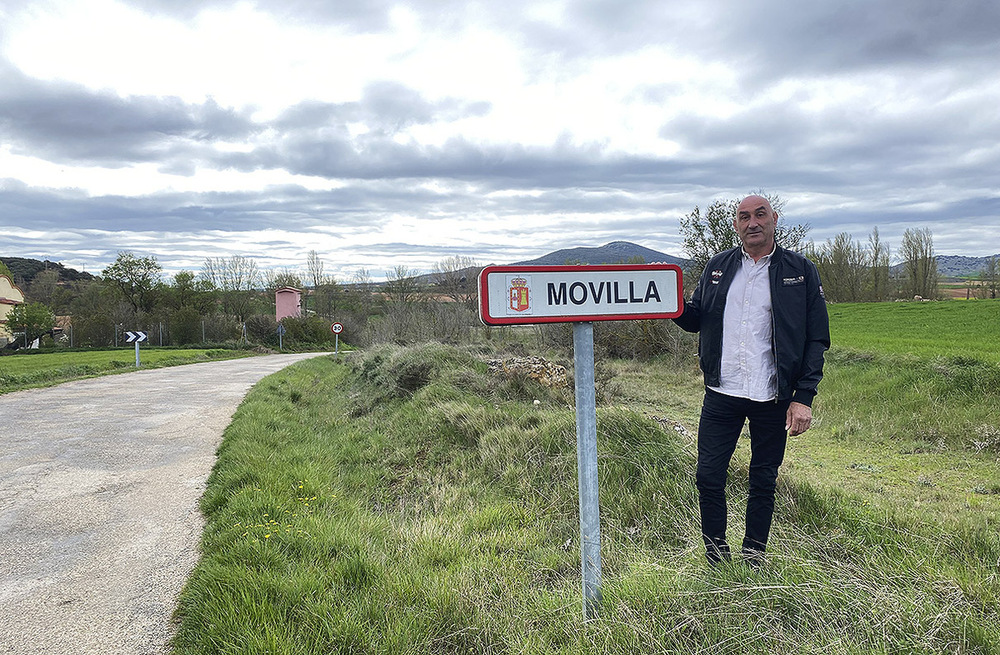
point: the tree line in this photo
(851, 270)
(230, 300)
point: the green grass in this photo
(927, 330)
(29, 370)
(414, 503)
(908, 413)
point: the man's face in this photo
(755, 223)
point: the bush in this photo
(185, 326)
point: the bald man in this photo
(763, 328)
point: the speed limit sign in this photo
(337, 328)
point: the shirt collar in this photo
(766, 258)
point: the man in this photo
(763, 329)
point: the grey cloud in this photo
(384, 106)
(865, 34)
(66, 122)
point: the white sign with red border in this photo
(511, 295)
(336, 328)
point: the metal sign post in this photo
(586, 463)
(518, 295)
(336, 328)
(137, 338)
(281, 336)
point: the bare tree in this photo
(989, 278)
(274, 280)
(315, 265)
(401, 285)
(920, 276)
(879, 287)
(456, 277)
(236, 278)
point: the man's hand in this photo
(798, 419)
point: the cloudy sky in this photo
(381, 133)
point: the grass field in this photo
(927, 330)
(417, 504)
(28, 370)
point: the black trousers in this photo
(722, 420)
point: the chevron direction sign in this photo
(136, 337)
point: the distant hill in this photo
(959, 266)
(616, 252)
(954, 265)
(25, 270)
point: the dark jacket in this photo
(801, 327)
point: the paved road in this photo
(99, 488)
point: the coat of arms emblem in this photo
(519, 300)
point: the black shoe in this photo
(753, 558)
(717, 552)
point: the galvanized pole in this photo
(586, 457)
(137, 353)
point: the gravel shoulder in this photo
(99, 488)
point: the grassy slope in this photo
(28, 370)
(909, 410)
(417, 504)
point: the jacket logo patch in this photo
(793, 281)
(716, 275)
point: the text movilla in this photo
(545, 294)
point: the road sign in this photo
(136, 337)
(281, 330)
(336, 328)
(510, 295)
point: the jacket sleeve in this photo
(690, 320)
(817, 340)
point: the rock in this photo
(536, 368)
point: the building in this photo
(10, 296)
(287, 302)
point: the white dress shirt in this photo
(748, 369)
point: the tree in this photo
(236, 278)
(274, 280)
(134, 279)
(879, 287)
(33, 318)
(989, 278)
(456, 277)
(920, 276)
(315, 266)
(706, 236)
(43, 286)
(400, 285)
(841, 264)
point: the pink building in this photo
(287, 302)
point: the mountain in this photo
(616, 252)
(954, 266)
(26, 269)
(959, 266)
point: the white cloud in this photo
(383, 134)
